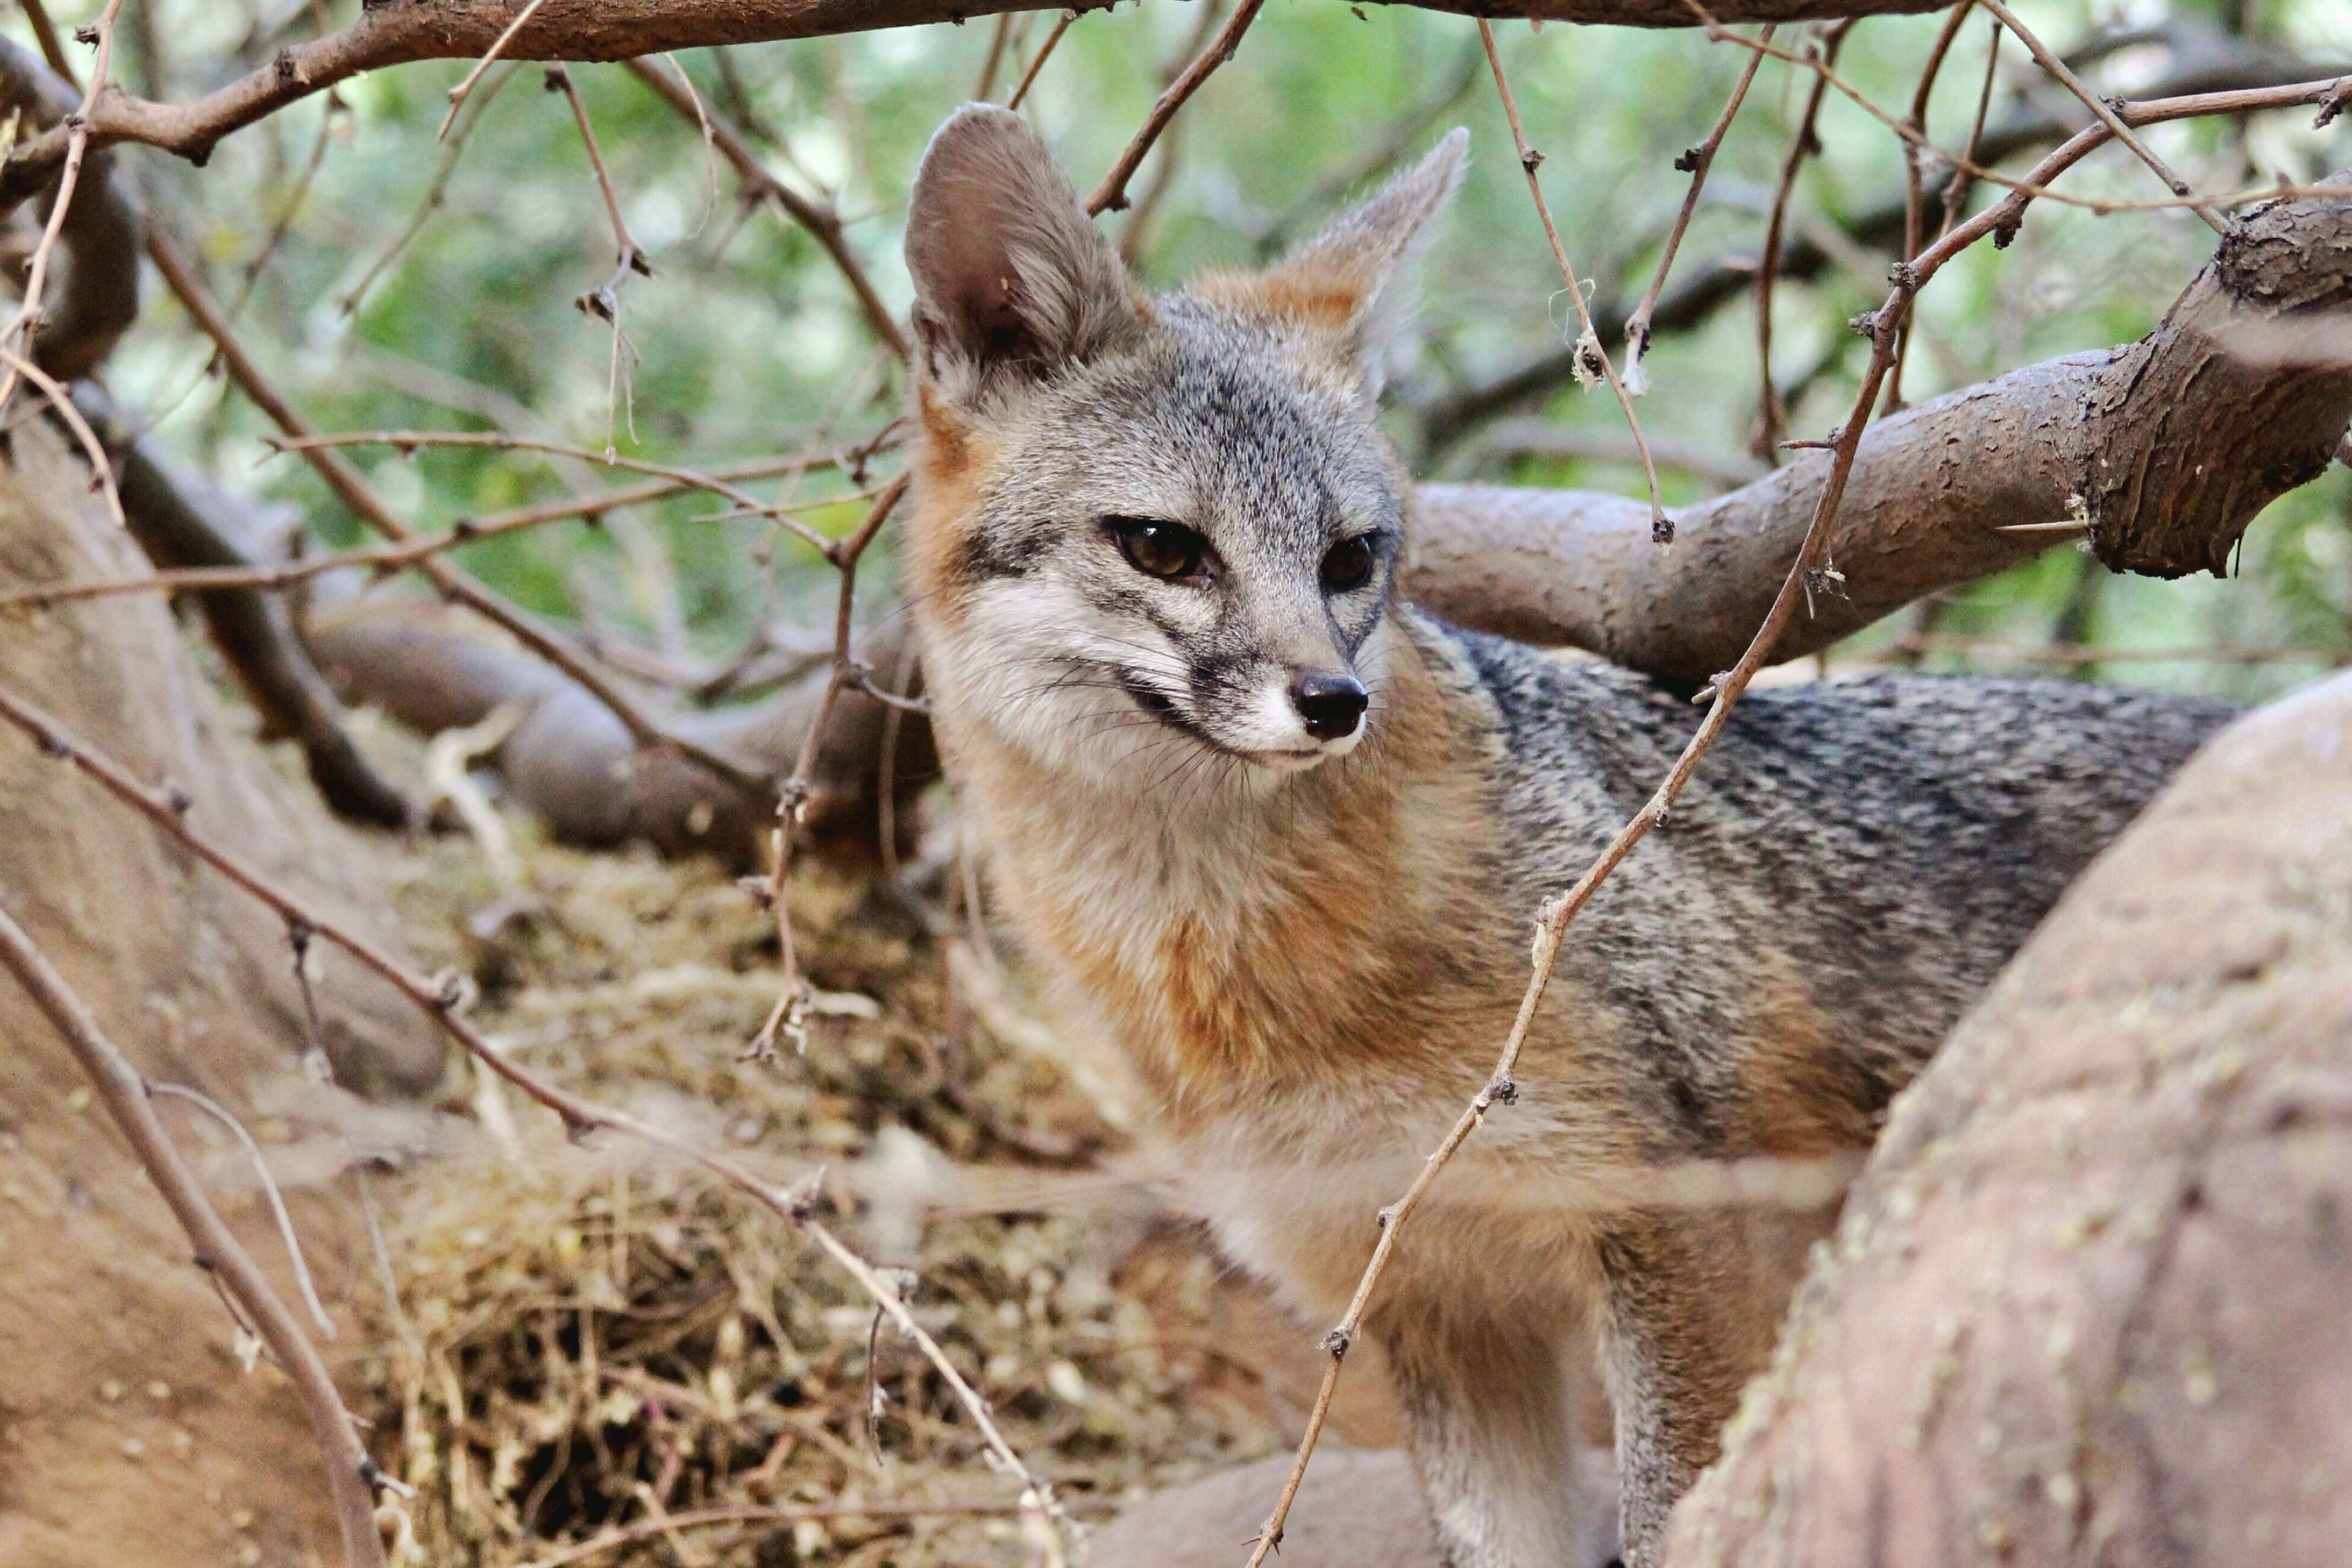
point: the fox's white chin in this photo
(1306, 757)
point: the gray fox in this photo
(1282, 835)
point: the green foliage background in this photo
(745, 340)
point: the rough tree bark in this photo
(2087, 1303)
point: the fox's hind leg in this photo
(1495, 1403)
(1694, 1300)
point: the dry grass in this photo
(588, 1338)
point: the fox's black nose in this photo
(1330, 705)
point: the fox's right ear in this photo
(1010, 276)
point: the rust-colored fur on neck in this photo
(1292, 946)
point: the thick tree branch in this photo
(175, 523)
(570, 762)
(2166, 448)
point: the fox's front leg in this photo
(1693, 1301)
(1492, 1404)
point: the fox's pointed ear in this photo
(1010, 276)
(1352, 280)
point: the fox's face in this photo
(1152, 535)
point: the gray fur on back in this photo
(1896, 836)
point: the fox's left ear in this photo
(1352, 280)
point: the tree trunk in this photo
(128, 1434)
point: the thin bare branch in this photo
(26, 324)
(1915, 155)
(220, 1113)
(1587, 345)
(2103, 111)
(1037, 62)
(1771, 413)
(757, 184)
(452, 149)
(1697, 161)
(458, 94)
(1111, 194)
(788, 1019)
(748, 505)
(45, 33)
(998, 38)
(345, 481)
(101, 468)
(390, 557)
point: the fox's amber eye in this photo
(1348, 564)
(1161, 549)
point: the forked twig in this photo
(1914, 177)
(1772, 415)
(787, 1018)
(25, 324)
